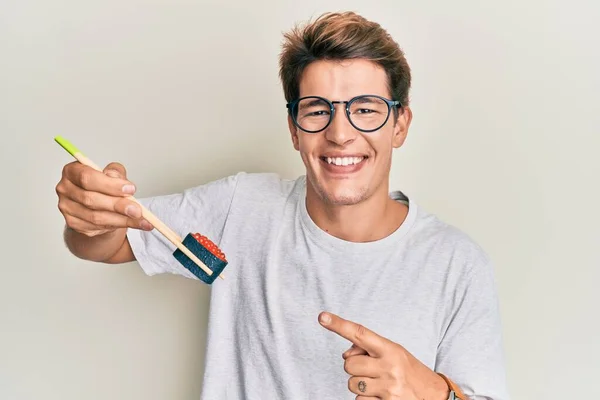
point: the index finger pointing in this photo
(356, 333)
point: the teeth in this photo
(344, 160)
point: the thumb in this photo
(115, 170)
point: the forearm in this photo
(99, 248)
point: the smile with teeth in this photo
(343, 160)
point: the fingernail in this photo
(325, 318)
(129, 189)
(133, 211)
(146, 225)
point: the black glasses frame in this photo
(390, 104)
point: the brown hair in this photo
(341, 36)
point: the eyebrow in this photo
(370, 100)
(311, 103)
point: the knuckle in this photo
(62, 207)
(403, 357)
(346, 367)
(87, 199)
(396, 390)
(396, 372)
(69, 221)
(360, 332)
(84, 178)
(95, 218)
(73, 223)
(119, 205)
(69, 168)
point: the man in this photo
(336, 286)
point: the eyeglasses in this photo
(367, 113)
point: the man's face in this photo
(368, 155)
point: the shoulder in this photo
(247, 183)
(266, 186)
(269, 181)
(463, 255)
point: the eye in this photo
(364, 111)
(317, 113)
(312, 107)
(368, 106)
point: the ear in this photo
(401, 127)
(294, 133)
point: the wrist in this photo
(452, 388)
(94, 248)
(440, 390)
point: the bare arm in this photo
(111, 247)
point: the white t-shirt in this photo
(427, 286)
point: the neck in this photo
(372, 219)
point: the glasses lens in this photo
(312, 114)
(368, 112)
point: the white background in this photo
(504, 145)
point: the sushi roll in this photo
(203, 248)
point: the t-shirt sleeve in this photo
(203, 209)
(471, 352)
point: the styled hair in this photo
(337, 37)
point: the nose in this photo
(340, 131)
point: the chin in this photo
(343, 200)
(341, 196)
